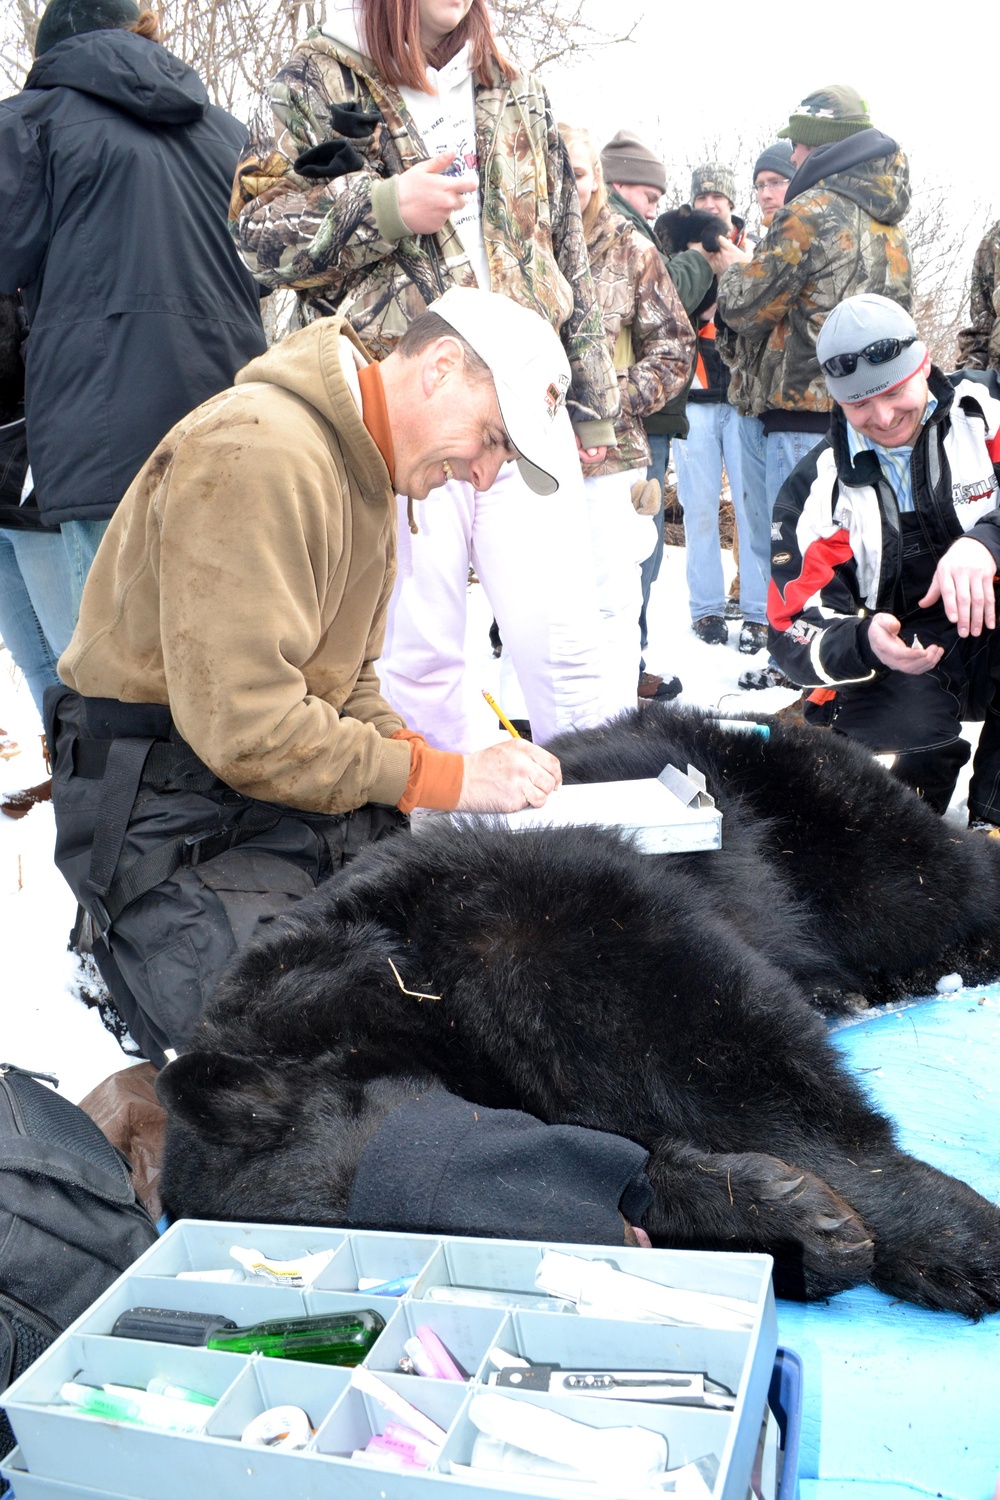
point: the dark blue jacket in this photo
(116, 175)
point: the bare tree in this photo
(941, 247)
(540, 35)
(237, 45)
(17, 36)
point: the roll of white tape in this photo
(278, 1427)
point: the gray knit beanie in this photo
(777, 159)
(626, 159)
(869, 322)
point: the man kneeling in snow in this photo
(223, 743)
(885, 546)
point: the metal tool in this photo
(673, 1387)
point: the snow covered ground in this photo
(46, 1027)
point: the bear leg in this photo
(937, 1241)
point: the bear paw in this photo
(820, 1245)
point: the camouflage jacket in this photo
(339, 241)
(638, 299)
(744, 359)
(979, 344)
(837, 234)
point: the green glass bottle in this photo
(336, 1338)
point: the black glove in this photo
(336, 157)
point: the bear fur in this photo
(679, 228)
(672, 999)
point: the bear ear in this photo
(230, 1099)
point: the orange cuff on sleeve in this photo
(435, 775)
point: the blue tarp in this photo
(899, 1401)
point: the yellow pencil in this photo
(500, 714)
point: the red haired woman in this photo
(399, 154)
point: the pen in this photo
(501, 715)
(376, 1288)
(160, 1386)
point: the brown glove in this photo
(647, 497)
(127, 1109)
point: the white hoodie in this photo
(445, 118)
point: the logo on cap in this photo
(555, 395)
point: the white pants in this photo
(533, 557)
(621, 542)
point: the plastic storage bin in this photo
(63, 1453)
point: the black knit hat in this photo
(830, 114)
(64, 18)
(625, 159)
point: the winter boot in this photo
(766, 677)
(711, 629)
(19, 804)
(651, 686)
(753, 637)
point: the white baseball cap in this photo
(529, 368)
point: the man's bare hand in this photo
(427, 197)
(883, 637)
(727, 255)
(590, 455)
(507, 777)
(963, 581)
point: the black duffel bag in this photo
(70, 1222)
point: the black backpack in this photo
(69, 1220)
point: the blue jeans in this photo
(659, 448)
(755, 522)
(36, 619)
(768, 461)
(713, 436)
(81, 540)
(784, 451)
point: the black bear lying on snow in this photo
(670, 999)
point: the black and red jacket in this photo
(836, 547)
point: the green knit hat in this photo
(830, 114)
(65, 18)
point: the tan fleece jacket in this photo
(244, 581)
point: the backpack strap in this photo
(181, 853)
(125, 763)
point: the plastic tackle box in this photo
(64, 1453)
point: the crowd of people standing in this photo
(402, 169)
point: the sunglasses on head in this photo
(879, 353)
